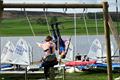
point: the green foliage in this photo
(88, 76)
(20, 27)
(41, 21)
(92, 15)
(53, 19)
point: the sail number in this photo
(20, 50)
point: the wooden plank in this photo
(46, 5)
(1, 10)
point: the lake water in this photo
(83, 43)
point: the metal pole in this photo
(25, 73)
(8, 5)
(107, 37)
(75, 39)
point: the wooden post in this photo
(1, 9)
(107, 37)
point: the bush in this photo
(53, 19)
(41, 21)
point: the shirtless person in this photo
(49, 59)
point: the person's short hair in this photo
(48, 38)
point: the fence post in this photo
(1, 10)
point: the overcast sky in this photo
(112, 3)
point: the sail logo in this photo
(20, 50)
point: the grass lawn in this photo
(82, 76)
(89, 76)
(20, 27)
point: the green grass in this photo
(89, 76)
(20, 27)
(82, 76)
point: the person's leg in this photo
(54, 36)
(54, 32)
(61, 42)
(57, 30)
(46, 69)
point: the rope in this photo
(47, 21)
(86, 25)
(65, 9)
(31, 27)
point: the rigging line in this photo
(45, 14)
(65, 9)
(96, 23)
(86, 24)
(31, 27)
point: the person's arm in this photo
(39, 44)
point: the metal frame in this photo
(104, 6)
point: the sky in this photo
(112, 4)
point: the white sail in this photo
(95, 49)
(69, 56)
(7, 53)
(21, 53)
(104, 54)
